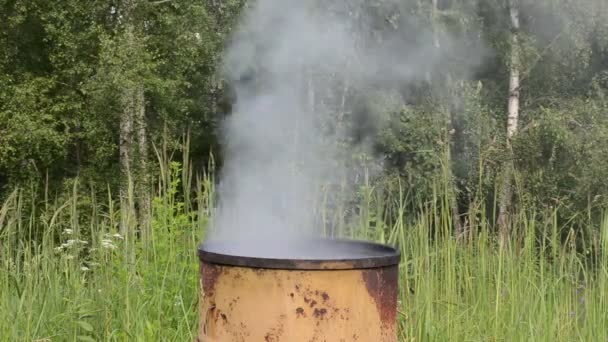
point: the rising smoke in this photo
(293, 65)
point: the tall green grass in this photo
(69, 273)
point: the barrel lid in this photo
(304, 254)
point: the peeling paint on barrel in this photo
(297, 306)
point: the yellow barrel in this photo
(325, 291)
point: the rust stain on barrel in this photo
(209, 273)
(320, 313)
(382, 286)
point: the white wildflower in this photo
(84, 268)
(72, 242)
(107, 244)
(118, 236)
(68, 231)
(178, 301)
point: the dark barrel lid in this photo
(306, 254)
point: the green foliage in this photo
(31, 138)
(65, 70)
(562, 152)
(415, 137)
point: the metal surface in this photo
(287, 300)
(302, 255)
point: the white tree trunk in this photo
(133, 138)
(435, 9)
(143, 178)
(504, 221)
(515, 73)
(125, 159)
(125, 140)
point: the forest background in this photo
(110, 124)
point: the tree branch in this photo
(540, 56)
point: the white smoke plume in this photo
(288, 62)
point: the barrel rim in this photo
(388, 256)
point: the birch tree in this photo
(126, 67)
(512, 118)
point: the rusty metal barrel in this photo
(310, 290)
